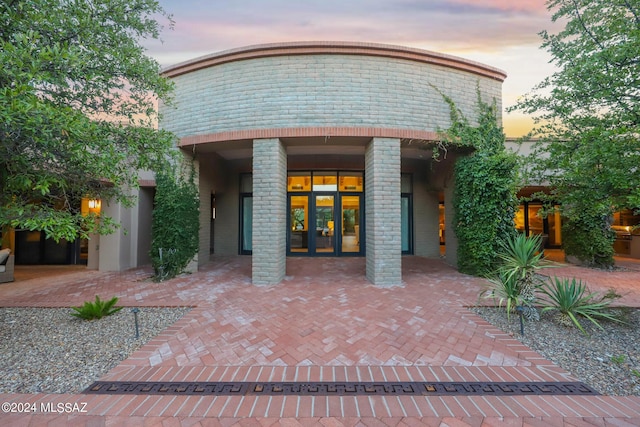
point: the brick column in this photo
(382, 201)
(268, 263)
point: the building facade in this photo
(314, 149)
(323, 149)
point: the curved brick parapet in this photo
(330, 87)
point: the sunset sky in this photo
(500, 33)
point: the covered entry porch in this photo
(277, 198)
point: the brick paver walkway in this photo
(324, 322)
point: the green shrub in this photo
(573, 300)
(175, 225)
(587, 236)
(97, 309)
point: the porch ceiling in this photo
(348, 146)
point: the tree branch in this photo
(633, 12)
(584, 26)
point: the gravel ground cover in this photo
(608, 360)
(46, 350)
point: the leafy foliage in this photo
(77, 109)
(588, 236)
(588, 119)
(485, 188)
(573, 300)
(175, 225)
(97, 309)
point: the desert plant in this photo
(572, 299)
(504, 289)
(514, 280)
(522, 257)
(97, 309)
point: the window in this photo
(246, 214)
(406, 216)
(351, 181)
(299, 181)
(325, 181)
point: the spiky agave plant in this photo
(521, 258)
(572, 300)
(504, 289)
(97, 309)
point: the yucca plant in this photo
(572, 299)
(504, 289)
(97, 309)
(521, 258)
(515, 280)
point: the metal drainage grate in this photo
(341, 388)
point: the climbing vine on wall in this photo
(485, 190)
(175, 225)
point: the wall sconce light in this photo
(95, 203)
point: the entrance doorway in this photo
(326, 217)
(324, 224)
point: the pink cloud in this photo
(530, 6)
(446, 26)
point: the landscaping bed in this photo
(608, 360)
(46, 350)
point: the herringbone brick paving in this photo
(324, 322)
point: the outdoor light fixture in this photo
(135, 312)
(94, 203)
(520, 311)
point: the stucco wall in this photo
(222, 180)
(425, 217)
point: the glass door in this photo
(299, 224)
(405, 224)
(351, 224)
(325, 213)
(324, 238)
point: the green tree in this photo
(588, 119)
(485, 189)
(77, 109)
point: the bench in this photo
(6, 266)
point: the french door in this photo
(324, 223)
